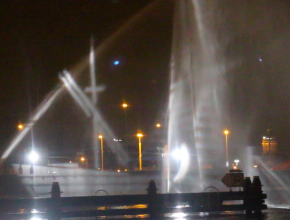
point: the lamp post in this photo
(140, 135)
(226, 132)
(102, 151)
(125, 106)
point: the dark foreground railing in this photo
(153, 205)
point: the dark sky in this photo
(40, 38)
(257, 37)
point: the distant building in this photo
(269, 144)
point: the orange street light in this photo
(82, 159)
(124, 105)
(102, 151)
(140, 135)
(20, 126)
(158, 125)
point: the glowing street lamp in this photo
(82, 159)
(102, 151)
(20, 126)
(140, 135)
(226, 132)
(33, 157)
(158, 125)
(237, 162)
(124, 105)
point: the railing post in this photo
(247, 188)
(254, 197)
(257, 190)
(152, 196)
(20, 170)
(54, 205)
(31, 170)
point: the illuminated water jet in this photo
(43, 107)
(195, 112)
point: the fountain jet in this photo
(195, 103)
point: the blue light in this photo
(260, 60)
(117, 62)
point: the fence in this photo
(152, 205)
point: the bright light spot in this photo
(235, 167)
(33, 157)
(125, 170)
(178, 215)
(158, 125)
(116, 62)
(255, 166)
(118, 171)
(70, 162)
(20, 126)
(237, 162)
(35, 219)
(227, 163)
(100, 136)
(183, 157)
(264, 137)
(99, 168)
(260, 59)
(139, 135)
(181, 206)
(82, 159)
(180, 153)
(124, 105)
(226, 132)
(117, 139)
(202, 214)
(177, 153)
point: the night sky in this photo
(41, 38)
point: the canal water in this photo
(270, 214)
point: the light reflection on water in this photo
(270, 214)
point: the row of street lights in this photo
(139, 135)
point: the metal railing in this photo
(151, 204)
